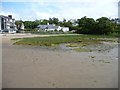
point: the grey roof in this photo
(6, 17)
(51, 26)
(42, 26)
(3, 16)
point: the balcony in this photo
(7, 23)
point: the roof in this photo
(6, 17)
(42, 26)
(51, 26)
(3, 16)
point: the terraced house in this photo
(52, 27)
(7, 24)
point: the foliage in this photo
(54, 21)
(84, 25)
(18, 24)
(31, 24)
(101, 26)
(104, 26)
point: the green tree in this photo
(50, 21)
(54, 21)
(64, 20)
(28, 24)
(86, 25)
(18, 24)
(104, 26)
(45, 22)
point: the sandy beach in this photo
(34, 67)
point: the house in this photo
(116, 20)
(7, 24)
(65, 29)
(51, 27)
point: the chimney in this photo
(10, 16)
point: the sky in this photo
(68, 9)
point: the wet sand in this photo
(33, 67)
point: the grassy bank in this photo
(55, 40)
(47, 32)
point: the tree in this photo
(28, 24)
(50, 21)
(64, 20)
(44, 22)
(68, 24)
(54, 20)
(86, 25)
(18, 24)
(104, 26)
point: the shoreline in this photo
(32, 67)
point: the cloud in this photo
(44, 9)
(80, 8)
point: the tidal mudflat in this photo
(36, 67)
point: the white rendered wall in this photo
(0, 23)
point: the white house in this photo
(51, 27)
(7, 24)
(65, 29)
